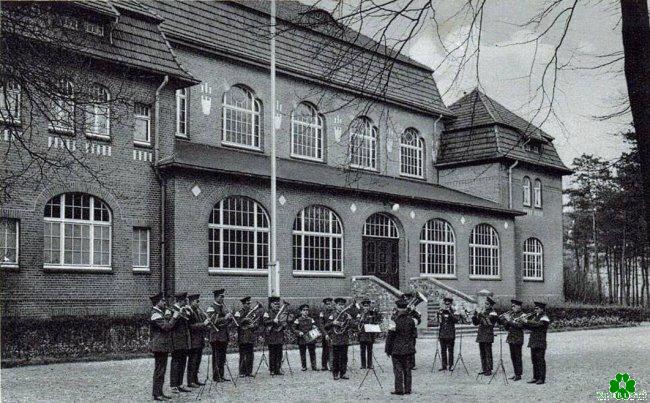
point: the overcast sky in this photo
(504, 70)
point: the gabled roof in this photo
(330, 54)
(485, 130)
(235, 162)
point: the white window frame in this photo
(139, 230)
(300, 231)
(95, 110)
(256, 116)
(448, 244)
(256, 229)
(147, 118)
(5, 234)
(537, 192)
(533, 260)
(65, 96)
(368, 140)
(315, 127)
(62, 221)
(94, 28)
(380, 225)
(414, 151)
(181, 97)
(11, 102)
(494, 248)
(526, 199)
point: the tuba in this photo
(251, 319)
(343, 327)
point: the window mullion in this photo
(221, 232)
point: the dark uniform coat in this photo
(485, 322)
(181, 333)
(245, 331)
(538, 327)
(364, 318)
(338, 337)
(303, 325)
(515, 329)
(401, 340)
(322, 319)
(448, 320)
(274, 331)
(197, 329)
(160, 331)
(217, 314)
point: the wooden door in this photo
(381, 259)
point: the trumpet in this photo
(184, 311)
(247, 322)
(205, 315)
(525, 318)
(415, 301)
(506, 315)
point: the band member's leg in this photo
(533, 358)
(489, 357)
(513, 357)
(344, 360)
(242, 359)
(542, 364)
(369, 354)
(325, 354)
(160, 367)
(363, 346)
(190, 366)
(336, 361)
(312, 355)
(412, 357)
(175, 374)
(399, 365)
(481, 347)
(451, 353)
(221, 357)
(407, 376)
(183, 367)
(215, 362)
(303, 355)
(443, 353)
(251, 359)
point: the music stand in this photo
(371, 368)
(500, 366)
(207, 378)
(435, 357)
(285, 357)
(460, 357)
(262, 360)
(353, 365)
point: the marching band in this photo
(181, 328)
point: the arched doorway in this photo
(381, 248)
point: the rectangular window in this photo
(9, 242)
(10, 102)
(69, 22)
(142, 130)
(181, 112)
(140, 249)
(94, 28)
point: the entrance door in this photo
(381, 259)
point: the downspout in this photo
(161, 180)
(436, 146)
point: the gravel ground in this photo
(579, 364)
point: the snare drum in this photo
(312, 335)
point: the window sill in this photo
(61, 130)
(141, 270)
(409, 176)
(181, 136)
(440, 276)
(142, 144)
(362, 168)
(9, 266)
(240, 146)
(77, 269)
(305, 158)
(318, 274)
(96, 136)
(488, 278)
(238, 272)
(533, 280)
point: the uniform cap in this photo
(327, 300)
(448, 299)
(540, 304)
(490, 301)
(365, 302)
(180, 295)
(516, 302)
(303, 306)
(245, 300)
(340, 300)
(193, 297)
(401, 303)
(218, 292)
(156, 298)
(274, 299)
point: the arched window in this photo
(306, 133)
(62, 108)
(317, 240)
(525, 187)
(77, 232)
(438, 249)
(411, 154)
(241, 118)
(538, 193)
(363, 144)
(533, 259)
(238, 235)
(9, 101)
(484, 259)
(97, 117)
(381, 226)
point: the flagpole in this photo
(273, 275)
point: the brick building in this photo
(376, 176)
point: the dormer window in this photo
(69, 22)
(94, 28)
(533, 147)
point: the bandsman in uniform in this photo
(302, 325)
(447, 334)
(485, 321)
(198, 324)
(415, 315)
(338, 326)
(246, 337)
(181, 342)
(538, 325)
(400, 346)
(512, 322)
(219, 334)
(326, 311)
(160, 343)
(275, 322)
(366, 340)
